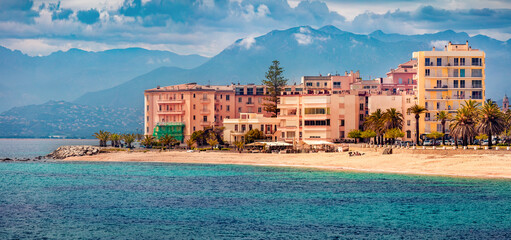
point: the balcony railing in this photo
(174, 112)
(171, 101)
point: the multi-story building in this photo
(445, 79)
(505, 104)
(236, 128)
(401, 102)
(401, 78)
(180, 110)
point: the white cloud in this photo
(303, 39)
(247, 42)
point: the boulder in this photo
(71, 151)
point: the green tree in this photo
(463, 125)
(167, 140)
(240, 145)
(274, 83)
(190, 142)
(392, 119)
(355, 133)
(394, 133)
(147, 141)
(102, 136)
(115, 139)
(435, 135)
(481, 137)
(367, 134)
(417, 110)
(491, 120)
(212, 140)
(253, 135)
(374, 121)
(443, 117)
(128, 138)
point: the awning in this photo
(317, 142)
(256, 144)
(277, 144)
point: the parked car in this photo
(428, 143)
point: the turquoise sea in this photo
(56, 200)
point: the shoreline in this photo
(465, 165)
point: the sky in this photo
(206, 27)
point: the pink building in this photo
(401, 78)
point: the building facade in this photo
(446, 79)
(235, 129)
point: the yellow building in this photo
(446, 79)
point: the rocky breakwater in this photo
(72, 151)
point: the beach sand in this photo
(496, 164)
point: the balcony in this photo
(171, 112)
(171, 101)
(205, 112)
(249, 103)
(206, 123)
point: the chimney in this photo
(433, 48)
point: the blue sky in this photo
(39, 27)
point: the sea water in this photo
(31, 148)
(85, 200)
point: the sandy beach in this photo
(443, 163)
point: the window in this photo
(259, 91)
(259, 110)
(337, 84)
(228, 108)
(428, 61)
(439, 62)
(477, 72)
(438, 83)
(400, 81)
(325, 84)
(205, 118)
(193, 117)
(428, 72)
(250, 91)
(317, 84)
(227, 97)
(456, 61)
(309, 84)
(476, 62)
(194, 95)
(249, 100)
(462, 83)
(341, 134)
(462, 61)
(437, 105)
(455, 73)
(250, 127)
(361, 106)
(148, 118)
(439, 127)
(408, 134)
(477, 95)
(477, 84)
(194, 106)
(317, 122)
(239, 109)
(262, 127)
(455, 84)
(462, 72)
(259, 100)
(342, 122)
(408, 112)
(240, 91)
(361, 117)
(408, 100)
(160, 107)
(243, 127)
(236, 128)
(317, 111)
(299, 89)
(194, 129)
(147, 107)
(287, 89)
(205, 96)
(408, 122)
(239, 99)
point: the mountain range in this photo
(68, 75)
(116, 79)
(308, 51)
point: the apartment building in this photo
(445, 79)
(401, 102)
(180, 110)
(235, 129)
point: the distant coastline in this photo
(421, 162)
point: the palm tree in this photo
(147, 141)
(115, 138)
(240, 145)
(491, 120)
(128, 139)
(166, 140)
(102, 136)
(392, 119)
(443, 116)
(417, 110)
(462, 125)
(190, 143)
(374, 121)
